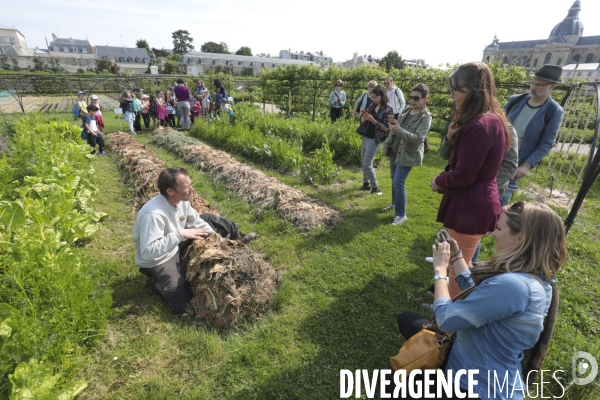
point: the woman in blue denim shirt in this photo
(504, 315)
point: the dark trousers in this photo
(169, 281)
(146, 118)
(171, 120)
(335, 113)
(410, 324)
(167, 278)
(137, 122)
(95, 140)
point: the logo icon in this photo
(585, 368)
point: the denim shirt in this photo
(539, 135)
(333, 98)
(495, 323)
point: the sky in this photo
(437, 31)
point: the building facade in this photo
(565, 45)
(127, 58)
(203, 61)
(315, 56)
(12, 42)
(72, 48)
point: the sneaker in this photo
(376, 191)
(399, 220)
(388, 208)
(248, 237)
(365, 186)
(102, 153)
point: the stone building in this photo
(565, 45)
(12, 42)
(71, 48)
(204, 61)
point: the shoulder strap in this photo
(397, 95)
(515, 101)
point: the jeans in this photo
(392, 172)
(183, 109)
(399, 189)
(512, 186)
(368, 150)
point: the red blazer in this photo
(471, 204)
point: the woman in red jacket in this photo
(479, 132)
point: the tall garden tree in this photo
(160, 53)
(142, 44)
(213, 47)
(244, 51)
(182, 41)
(392, 60)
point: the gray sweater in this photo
(156, 230)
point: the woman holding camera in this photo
(376, 129)
(337, 100)
(504, 314)
(405, 146)
(479, 133)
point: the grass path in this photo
(335, 308)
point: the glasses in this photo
(415, 98)
(539, 85)
(388, 83)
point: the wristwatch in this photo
(437, 277)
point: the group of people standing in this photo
(489, 148)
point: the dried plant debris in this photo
(254, 186)
(228, 281)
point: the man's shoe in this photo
(248, 237)
(376, 191)
(427, 307)
(388, 208)
(399, 220)
(365, 186)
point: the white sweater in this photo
(156, 230)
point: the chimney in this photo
(54, 37)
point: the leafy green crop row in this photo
(53, 306)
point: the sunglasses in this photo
(415, 98)
(518, 206)
(338, 85)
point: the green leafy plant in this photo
(320, 168)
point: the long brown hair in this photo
(477, 81)
(542, 246)
(381, 92)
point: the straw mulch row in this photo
(254, 186)
(228, 281)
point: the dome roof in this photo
(571, 25)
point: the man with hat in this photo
(82, 106)
(536, 117)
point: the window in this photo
(129, 59)
(524, 60)
(189, 61)
(105, 57)
(55, 48)
(121, 59)
(568, 73)
(589, 58)
(66, 49)
(144, 60)
(590, 73)
(1, 51)
(505, 61)
(84, 50)
(240, 63)
(576, 57)
(559, 61)
(137, 60)
(252, 64)
(8, 39)
(535, 63)
(579, 73)
(75, 50)
(547, 59)
(487, 59)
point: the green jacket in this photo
(407, 142)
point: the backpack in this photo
(76, 110)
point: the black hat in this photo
(550, 73)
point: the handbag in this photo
(426, 147)
(424, 350)
(363, 128)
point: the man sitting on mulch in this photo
(161, 230)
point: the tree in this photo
(182, 41)
(213, 47)
(160, 53)
(244, 51)
(142, 44)
(392, 60)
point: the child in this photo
(137, 109)
(196, 107)
(145, 111)
(154, 110)
(170, 108)
(126, 105)
(226, 110)
(206, 102)
(94, 136)
(98, 116)
(161, 109)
